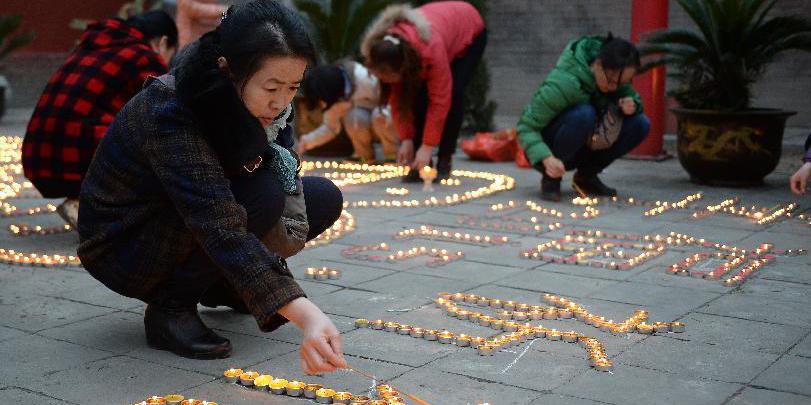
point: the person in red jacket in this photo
(107, 68)
(426, 56)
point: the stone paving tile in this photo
(117, 380)
(656, 275)
(692, 359)
(43, 312)
(564, 400)
(789, 374)
(556, 283)
(782, 240)
(795, 273)
(9, 333)
(639, 386)
(313, 289)
(679, 299)
(407, 285)
(44, 281)
(401, 350)
(741, 334)
(247, 350)
(803, 348)
(469, 270)
(758, 308)
(30, 357)
(119, 332)
(369, 304)
(535, 370)
(438, 387)
(14, 395)
(288, 367)
(351, 274)
(99, 295)
(779, 290)
(755, 396)
(590, 272)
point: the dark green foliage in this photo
(9, 40)
(717, 65)
(338, 25)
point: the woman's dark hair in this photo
(617, 53)
(155, 24)
(248, 35)
(323, 83)
(386, 55)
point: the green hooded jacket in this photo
(570, 83)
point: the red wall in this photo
(50, 19)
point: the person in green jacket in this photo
(563, 127)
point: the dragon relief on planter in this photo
(705, 141)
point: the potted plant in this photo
(10, 41)
(722, 139)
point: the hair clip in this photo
(391, 38)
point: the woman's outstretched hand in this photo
(321, 350)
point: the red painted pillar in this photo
(648, 16)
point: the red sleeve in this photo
(405, 127)
(440, 85)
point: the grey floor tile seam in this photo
(75, 301)
(39, 393)
(115, 311)
(749, 384)
(484, 380)
(698, 311)
(174, 367)
(73, 343)
(766, 277)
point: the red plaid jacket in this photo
(107, 68)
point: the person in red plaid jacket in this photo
(107, 68)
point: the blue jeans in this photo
(567, 134)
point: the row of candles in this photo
(25, 230)
(601, 254)
(343, 226)
(507, 222)
(173, 399)
(440, 256)
(663, 206)
(323, 273)
(386, 395)
(430, 233)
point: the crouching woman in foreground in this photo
(185, 197)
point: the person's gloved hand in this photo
(799, 180)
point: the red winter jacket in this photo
(440, 32)
(107, 68)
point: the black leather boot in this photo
(550, 188)
(178, 328)
(589, 185)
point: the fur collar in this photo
(390, 16)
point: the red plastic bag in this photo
(521, 157)
(499, 146)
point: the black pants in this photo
(462, 71)
(263, 198)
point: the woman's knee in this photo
(638, 126)
(324, 203)
(262, 196)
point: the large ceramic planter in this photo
(730, 148)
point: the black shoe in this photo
(591, 186)
(443, 169)
(550, 189)
(181, 331)
(222, 294)
(413, 176)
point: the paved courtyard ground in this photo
(65, 339)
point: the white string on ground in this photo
(515, 361)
